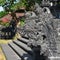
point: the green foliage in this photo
(21, 3)
(2, 2)
(4, 24)
(38, 1)
(30, 5)
(16, 6)
(22, 22)
(3, 13)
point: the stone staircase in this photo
(17, 50)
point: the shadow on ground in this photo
(41, 57)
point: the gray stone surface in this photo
(24, 55)
(9, 53)
(43, 25)
(42, 28)
(24, 46)
(23, 40)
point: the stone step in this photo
(9, 53)
(22, 33)
(58, 39)
(54, 58)
(25, 37)
(23, 54)
(58, 48)
(23, 46)
(23, 40)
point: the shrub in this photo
(4, 24)
(22, 22)
(3, 13)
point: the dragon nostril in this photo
(37, 33)
(44, 37)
